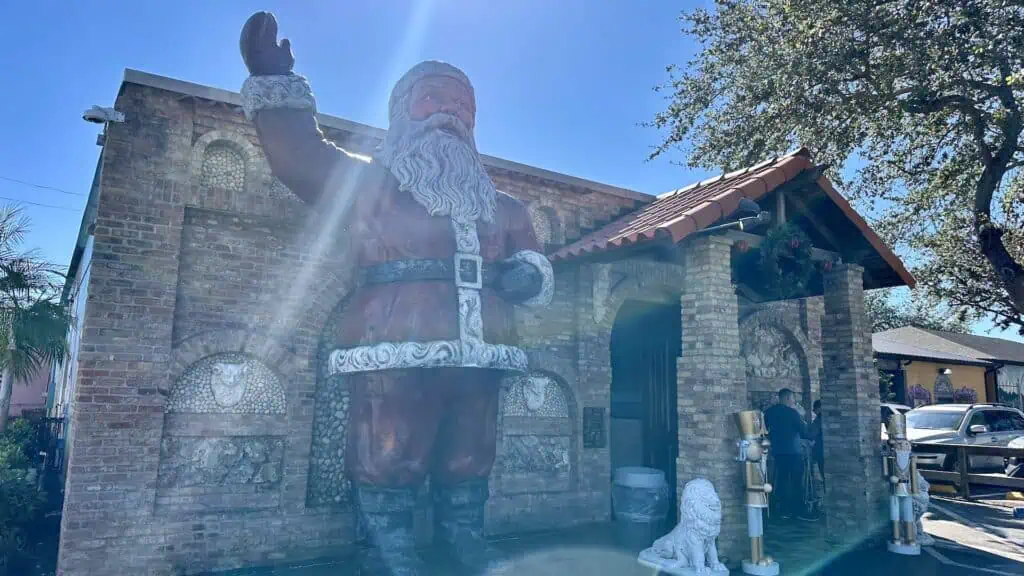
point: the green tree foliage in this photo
(925, 95)
(22, 505)
(33, 324)
(887, 313)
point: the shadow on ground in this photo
(800, 548)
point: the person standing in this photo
(818, 439)
(785, 430)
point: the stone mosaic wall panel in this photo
(768, 353)
(223, 167)
(535, 395)
(227, 383)
(194, 461)
(278, 191)
(536, 452)
(546, 456)
(328, 485)
(542, 225)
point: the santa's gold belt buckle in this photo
(469, 271)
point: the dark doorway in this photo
(646, 341)
(895, 390)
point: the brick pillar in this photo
(849, 398)
(712, 386)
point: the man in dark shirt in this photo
(818, 437)
(785, 429)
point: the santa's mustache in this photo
(443, 122)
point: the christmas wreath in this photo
(780, 267)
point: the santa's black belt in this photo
(471, 271)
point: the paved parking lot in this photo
(981, 536)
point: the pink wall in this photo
(31, 395)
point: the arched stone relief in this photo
(227, 383)
(538, 435)
(769, 353)
(546, 224)
(231, 382)
(775, 356)
(535, 395)
(222, 167)
(215, 161)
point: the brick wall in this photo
(183, 272)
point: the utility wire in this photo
(55, 207)
(41, 186)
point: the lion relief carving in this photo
(690, 549)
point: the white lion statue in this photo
(920, 501)
(690, 547)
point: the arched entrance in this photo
(646, 341)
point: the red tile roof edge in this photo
(770, 174)
(876, 242)
(698, 217)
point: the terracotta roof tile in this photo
(682, 212)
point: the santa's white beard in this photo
(436, 162)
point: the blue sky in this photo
(559, 84)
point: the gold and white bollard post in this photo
(900, 468)
(753, 453)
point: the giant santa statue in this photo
(428, 333)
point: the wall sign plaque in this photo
(593, 427)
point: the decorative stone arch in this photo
(546, 224)
(614, 284)
(270, 361)
(271, 352)
(328, 486)
(237, 143)
(538, 446)
(769, 323)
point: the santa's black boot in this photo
(387, 542)
(459, 528)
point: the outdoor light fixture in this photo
(747, 209)
(101, 115)
(747, 216)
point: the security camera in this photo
(101, 115)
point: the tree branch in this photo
(961, 104)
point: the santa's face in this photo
(441, 94)
(431, 151)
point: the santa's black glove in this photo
(518, 281)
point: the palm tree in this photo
(33, 324)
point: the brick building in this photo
(196, 268)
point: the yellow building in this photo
(919, 361)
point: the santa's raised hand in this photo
(262, 54)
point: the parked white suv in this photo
(981, 424)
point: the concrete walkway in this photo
(590, 551)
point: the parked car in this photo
(887, 411)
(981, 424)
(1014, 466)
